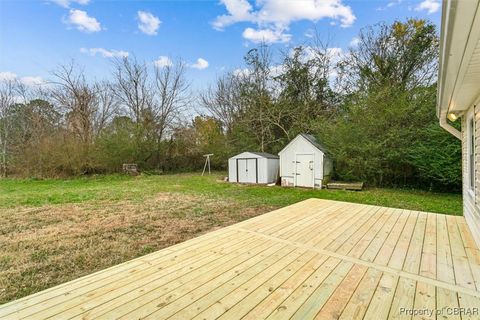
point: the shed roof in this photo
(311, 139)
(257, 154)
(314, 141)
(265, 155)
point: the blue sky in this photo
(210, 36)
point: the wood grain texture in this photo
(317, 259)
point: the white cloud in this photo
(277, 70)
(32, 81)
(163, 61)
(239, 10)
(431, 6)
(83, 22)
(390, 5)
(277, 15)
(266, 35)
(200, 64)
(148, 23)
(7, 76)
(104, 52)
(67, 3)
(239, 72)
(335, 54)
(27, 80)
(354, 42)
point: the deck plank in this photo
(333, 308)
(381, 302)
(403, 299)
(397, 258)
(315, 259)
(249, 302)
(389, 244)
(161, 294)
(124, 288)
(290, 305)
(169, 263)
(461, 265)
(317, 218)
(349, 234)
(324, 238)
(470, 305)
(320, 296)
(273, 300)
(296, 258)
(425, 299)
(471, 249)
(358, 303)
(362, 232)
(447, 299)
(415, 247)
(245, 280)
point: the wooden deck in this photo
(315, 259)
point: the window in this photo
(471, 153)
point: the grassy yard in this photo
(52, 231)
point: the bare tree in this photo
(132, 87)
(107, 105)
(77, 99)
(7, 100)
(223, 100)
(256, 88)
(171, 96)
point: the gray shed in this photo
(253, 167)
(304, 163)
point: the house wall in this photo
(471, 202)
(287, 158)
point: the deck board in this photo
(317, 259)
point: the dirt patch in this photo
(46, 246)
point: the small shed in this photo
(253, 167)
(304, 163)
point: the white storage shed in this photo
(304, 163)
(253, 167)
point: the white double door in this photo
(304, 170)
(247, 170)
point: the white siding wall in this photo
(287, 158)
(267, 168)
(262, 170)
(471, 203)
(232, 170)
(273, 166)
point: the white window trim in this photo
(470, 136)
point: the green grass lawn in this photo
(53, 231)
(35, 193)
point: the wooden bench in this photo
(357, 186)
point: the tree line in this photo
(373, 107)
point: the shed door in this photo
(304, 170)
(247, 170)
